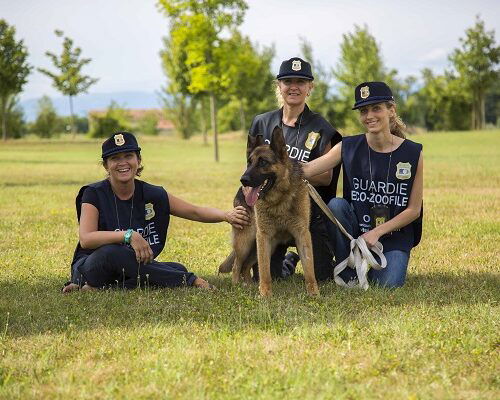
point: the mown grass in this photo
(435, 338)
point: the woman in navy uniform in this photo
(123, 226)
(382, 183)
(307, 136)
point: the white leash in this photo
(360, 258)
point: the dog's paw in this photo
(312, 289)
(265, 291)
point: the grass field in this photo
(436, 338)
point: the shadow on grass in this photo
(39, 307)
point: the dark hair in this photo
(139, 170)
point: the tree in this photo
(476, 63)
(14, 70)
(442, 102)
(178, 102)
(199, 24)
(113, 120)
(69, 81)
(46, 122)
(360, 61)
(249, 75)
(15, 123)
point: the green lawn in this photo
(438, 337)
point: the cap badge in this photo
(403, 170)
(296, 65)
(312, 140)
(119, 140)
(364, 92)
(150, 211)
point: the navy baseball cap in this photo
(119, 142)
(371, 93)
(295, 68)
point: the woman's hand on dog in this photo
(238, 217)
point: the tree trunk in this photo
(242, 117)
(203, 122)
(482, 110)
(72, 118)
(213, 111)
(4, 119)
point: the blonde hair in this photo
(397, 126)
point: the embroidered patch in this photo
(312, 140)
(403, 170)
(119, 140)
(364, 92)
(296, 65)
(150, 212)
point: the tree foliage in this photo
(476, 63)
(250, 81)
(198, 26)
(14, 71)
(47, 121)
(69, 79)
(360, 61)
(115, 119)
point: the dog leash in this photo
(360, 257)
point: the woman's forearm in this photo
(324, 163)
(93, 240)
(404, 218)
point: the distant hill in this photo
(93, 101)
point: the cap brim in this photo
(373, 101)
(295, 76)
(120, 150)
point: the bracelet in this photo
(128, 236)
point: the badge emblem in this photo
(312, 140)
(150, 211)
(379, 221)
(364, 92)
(296, 65)
(403, 170)
(119, 140)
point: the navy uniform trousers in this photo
(116, 265)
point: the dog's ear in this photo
(278, 143)
(253, 142)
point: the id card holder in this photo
(379, 214)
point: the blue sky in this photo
(123, 37)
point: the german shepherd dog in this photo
(279, 208)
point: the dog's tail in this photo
(227, 264)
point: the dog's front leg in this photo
(264, 261)
(304, 246)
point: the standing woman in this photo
(383, 185)
(123, 225)
(307, 136)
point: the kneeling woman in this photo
(383, 185)
(123, 226)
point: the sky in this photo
(123, 37)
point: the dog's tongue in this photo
(252, 196)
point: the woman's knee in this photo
(339, 206)
(394, 274)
